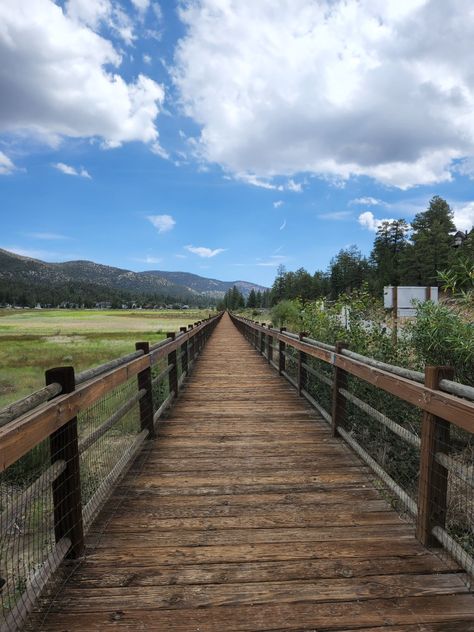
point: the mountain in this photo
(32, 273)
(202, 285)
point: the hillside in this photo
(33, 275)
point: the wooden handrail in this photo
(458, 411)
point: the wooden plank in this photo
(115, 576)
(276, 616)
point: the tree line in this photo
(401, 255)
(234, 299)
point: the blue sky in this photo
(225, 137)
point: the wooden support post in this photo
(338, 409)
(64, 446)
(395, 315)
(173, 374)
(300, 372)
(146, 402)
(262, 341)
(191, 345)
(433, 481)
(281, 354)
(269, 345)
(184, 349)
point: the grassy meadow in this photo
(32, 341)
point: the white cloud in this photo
(204, 252)
(148, 259)
(278, 203)
(6, 165)
(368, 201)
(336, 215)
(296, 187)
(72, 171)
(464, 216)
(61, 77)
(141, 5)
(337, 88)
(163, 223)
(273, 261)
(47, 236)
(367, 220)
(147, 59)
(283, 225)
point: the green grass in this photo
(32, 341)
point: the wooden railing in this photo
(61, 455)
(439, 441)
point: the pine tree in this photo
(389, 248)
(432, 244)
(252, 299)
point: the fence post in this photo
(281, 353)
(270, 345)
(191, 346)
(173, 374)
(64, 446)
(184, 355)
(338, 408)
(262, 341)
(433, 481)
(300, 372)
(146, 402)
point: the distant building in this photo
(459, 239)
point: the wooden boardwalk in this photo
(245, 514)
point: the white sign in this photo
(406, 297)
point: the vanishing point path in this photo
(245, 514)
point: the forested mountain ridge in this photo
(34, 277)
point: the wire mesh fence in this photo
(50, 496)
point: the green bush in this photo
(440, 336)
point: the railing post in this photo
(262, 341)
(433, 481)
(300, 372)
(270, 345)
(146, 402)
(281, 353)
(64, 446)
(338, 409)
(184, 355)
(191, 345)
(173, 374)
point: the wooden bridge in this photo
(245, 513)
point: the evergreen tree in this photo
(252, 299)
(432, 244)
(389, 248)
(347, 271)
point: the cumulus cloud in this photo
(206, 253)
(278, 203)
(163, 223)
(337, 88)
(369, 221)
(464, 216)
(72, 171)
(6, 165)
(59, 78)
